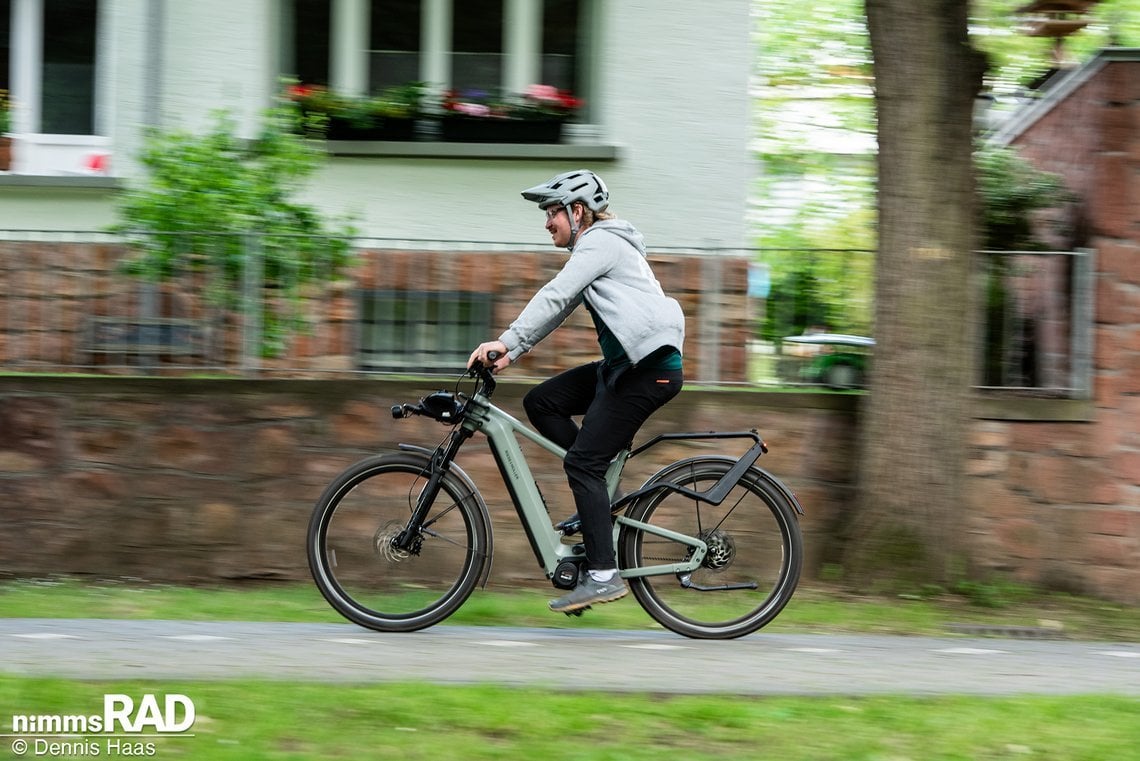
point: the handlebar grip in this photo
(492, 356)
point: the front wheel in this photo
(360, 571)
(754, 558)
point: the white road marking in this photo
(968, 651)
(819, 650)
(46, 635)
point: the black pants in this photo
(613, 406)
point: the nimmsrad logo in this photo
(174, 714)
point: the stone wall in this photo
(213, 480)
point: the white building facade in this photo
(666, 116)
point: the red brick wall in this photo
(1059, 502)
(48, 292)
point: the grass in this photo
(257, 719)
(813, 609)
(268, 720)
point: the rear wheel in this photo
(755, 552)
(364, 576)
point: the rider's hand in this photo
(481, 351)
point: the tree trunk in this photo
(910, 520)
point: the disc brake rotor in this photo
(721, 552)
(384, 542)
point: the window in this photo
(50, 46)
(394, 43)
(67, 94)
(561, 37)
(309, 37)
(451, 44)
(5, 44)
(421, 331)
(476, 44)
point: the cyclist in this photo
(640, 332)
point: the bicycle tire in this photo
(352, 560)
(753, 536)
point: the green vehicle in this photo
(839, 360)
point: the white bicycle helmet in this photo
(564, 189)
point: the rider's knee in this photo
(584, 464)
(534, 403)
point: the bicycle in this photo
(710, 546)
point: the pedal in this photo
(577, 612)
(570, 526)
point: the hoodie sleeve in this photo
(554, 302)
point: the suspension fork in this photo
(440, 464)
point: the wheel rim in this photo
(748, 544)
(369, 580)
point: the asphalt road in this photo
(652, 661)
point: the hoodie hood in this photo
(620, 228)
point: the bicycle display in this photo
(710, 545)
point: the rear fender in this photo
(666, 473)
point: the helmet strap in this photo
(573, 225)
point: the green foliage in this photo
(816, 145)
(239, 720)
(1011, 190)
(1017, 59)
(5, 112)
(991, 594)
(218, 203)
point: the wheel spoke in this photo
(351, 549)
(751, 566)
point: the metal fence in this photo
(70, 303)
(1037, 321)
(232, 306)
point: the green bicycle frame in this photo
(502, 432)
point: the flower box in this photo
(391, 115)
(457, 129)
(396, 129)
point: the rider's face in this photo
(558, 224)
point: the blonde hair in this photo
(589, 216)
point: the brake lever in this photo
(477, 367)
(485, 373)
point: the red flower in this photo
(300, 92)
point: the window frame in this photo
(27, 61)
(522, 46)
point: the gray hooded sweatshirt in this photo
(608, 269)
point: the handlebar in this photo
(484, 373)
(445, 406)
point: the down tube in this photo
(519, 480)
